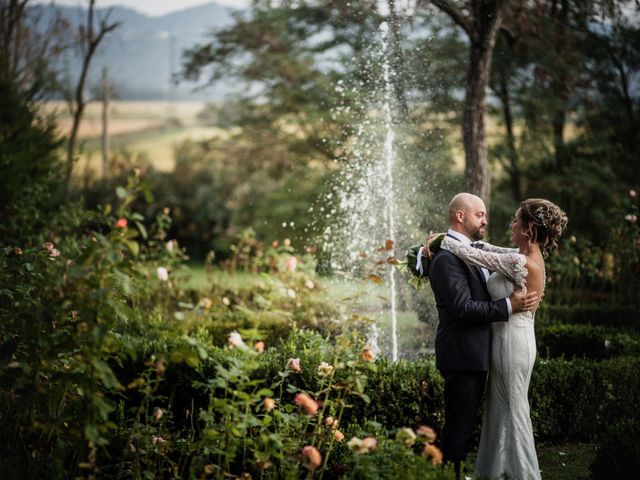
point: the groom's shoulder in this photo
(443, 259)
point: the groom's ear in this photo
(459, 215)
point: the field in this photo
(151, 129)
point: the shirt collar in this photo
(459, 236)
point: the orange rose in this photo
(308, 404)
(434, 453)
(269, 404)
(367, 354)
(311, 457)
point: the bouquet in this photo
(418, 258)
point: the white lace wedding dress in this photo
(506, 443)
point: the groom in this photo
(463, 338)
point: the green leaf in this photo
(122, 192)
(133, 247)
(143, 230)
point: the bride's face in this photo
(517, 228)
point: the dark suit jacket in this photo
(465, 312)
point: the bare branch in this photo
(458, 17)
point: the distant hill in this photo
(144, 51)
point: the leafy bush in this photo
(584, 272)
(30, 170)
(62, 304)
(596, 343)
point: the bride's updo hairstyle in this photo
(543, 222)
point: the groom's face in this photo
(474, 220)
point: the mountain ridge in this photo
(144, 53)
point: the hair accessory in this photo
(539, 214)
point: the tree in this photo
(26, 50)
(481, 21)
(88, 41)
(581, 85)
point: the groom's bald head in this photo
(468, 215)
(463, 202)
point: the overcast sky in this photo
(151, 7)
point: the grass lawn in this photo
(565, 462)
(197, 277)
(569, 461)
(415, 338)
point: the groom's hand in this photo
(522, 301)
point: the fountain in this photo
(367, 200)
(389, 157)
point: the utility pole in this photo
(171, 106)
(106, 94)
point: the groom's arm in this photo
(451, 278)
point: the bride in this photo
(506, 442)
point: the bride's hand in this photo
(522, 301)
(430, 238)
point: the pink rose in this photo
(294, 364)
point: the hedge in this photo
(594, 342)
(570, 400)
(594, 314)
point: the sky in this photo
(151, 7)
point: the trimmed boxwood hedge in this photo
(594, 314)
(570, 400)
(594, 342)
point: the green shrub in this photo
(30, 170)
(593, 314)
(573, 399)
(586, 341)
(406, 393)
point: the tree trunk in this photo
(559, 120)
(397, 59)
(512, 153)
(477, 174)
(476, 171)
(481, 20)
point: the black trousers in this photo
(462, 396)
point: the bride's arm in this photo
(512, 265)
(487, 247)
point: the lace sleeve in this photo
(487, 247)
(509, 263)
